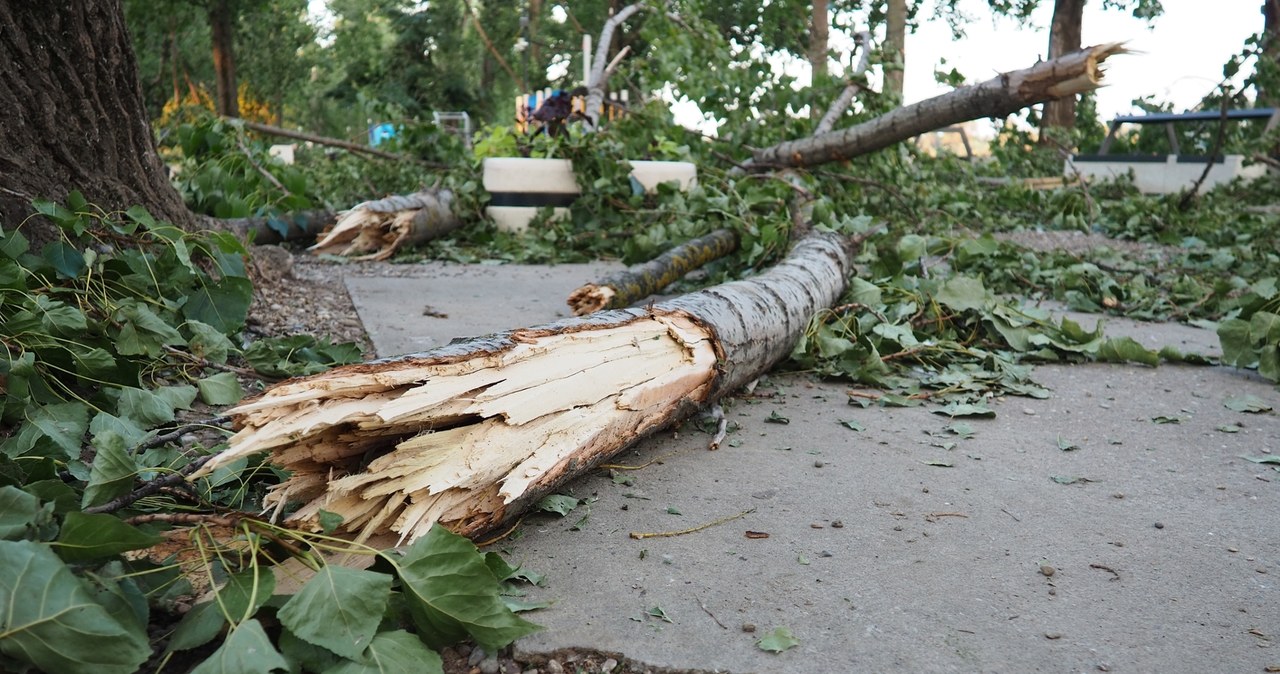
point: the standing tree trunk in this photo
(1270, 47)
(1064, 38)
(222, 33)
(73, 113)
(818, 32)
(895, 47)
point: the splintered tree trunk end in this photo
(375, 230)
(641, 281)
(471, 434)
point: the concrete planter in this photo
(518, 187)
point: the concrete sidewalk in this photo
(1163, 547)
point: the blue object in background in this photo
(379, 133)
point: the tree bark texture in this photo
(1064, 38)
(895, 47)
(642, 280)
(818, 32)
(375, 230)
(599, 75)
(222, 34)
(997, 97)
(73, 116)
(853, 84)
(1270, 46)
(472, 433)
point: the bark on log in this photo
(642, 280)
(375, 230)
(470, 434)
(998, 97)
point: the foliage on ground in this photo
(119, 335)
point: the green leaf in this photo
(853, 425)
(1264, 328)
(961, 429)
(1237, 349)
(1069, 479)
(339, 609)
(329, 522)
(237, 600)
(198, 627)
(777, 641)
(18, 511)
(451, 593)
(966, 410)
(87, 536)
(223, 305)
(65, 259)
(1126, 350)
(1272, 459)
(306, 657)
(220, 389)
(247, 650)
(962, 293)
(155, 407)
(52, 622)
(1067, 445)
(558, 503)
(775, 418)
(1246, 403)
(1164, 419)
(939, 463)
(108, 430)
(1227, 428)
(112, 475)
(142, 332)
(393, 653)
(660, 614)
(64, 424)
(208, 342)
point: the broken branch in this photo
(470, 434)
(998, 97)
(375, 230)
(642, 280)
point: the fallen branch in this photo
(331, 142)
(375, 230)
(638, 282)
(1190, 196)
(470, 434)
(1001, 96)
(152, 487)
(667, 534)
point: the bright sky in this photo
(1183, 50)
(1181, 57)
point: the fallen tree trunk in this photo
(998, 97)
(470, 434)
(642, 280)
(375, 230)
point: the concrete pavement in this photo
(904, 546)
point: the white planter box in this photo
(519, 187)
(1163, 175)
